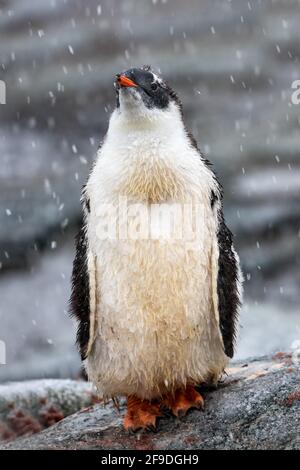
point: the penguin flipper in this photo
(83, 294)
(226, 283)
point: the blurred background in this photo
(232, 63)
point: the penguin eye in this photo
(154, 86)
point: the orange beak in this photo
(124, 81)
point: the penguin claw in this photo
(151, 428)
(131, 431)
(180, 414)
(183, 400)
(165, 411)
(141, 414)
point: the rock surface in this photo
(29, 407)
(256, 407)
(38, 333)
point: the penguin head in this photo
(143, 93)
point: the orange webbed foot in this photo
(183, 400)
(141, 414)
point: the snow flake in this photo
(64, 223)
(83, 160)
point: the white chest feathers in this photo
(154, 323)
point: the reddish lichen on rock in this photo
(292, 398)
(50, 416)
(23, 423)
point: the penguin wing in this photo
(226, 281)
(83, 294)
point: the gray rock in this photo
(29, 407)
(38, 332)
(256, 407)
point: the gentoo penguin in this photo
(156, 283)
